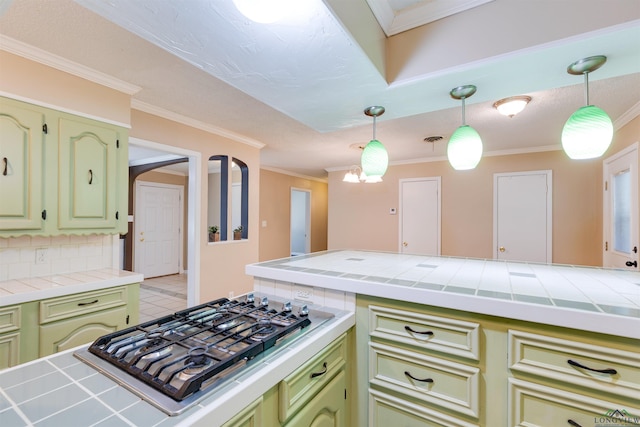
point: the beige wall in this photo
(221, 264)
(275, 206)
(359, 213)
(167, 178)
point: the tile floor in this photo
(164, 295)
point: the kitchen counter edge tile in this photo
(38, 288)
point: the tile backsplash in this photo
(26, 257)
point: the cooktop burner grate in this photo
(179, 353)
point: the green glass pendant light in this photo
(588, 132)
(374, 159)
(464, 149)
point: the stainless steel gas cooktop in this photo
(174, 361)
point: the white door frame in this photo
(400, 225)
(549, 208)
(606, 220)
(307, 220)
(194, 208)
(137, 213)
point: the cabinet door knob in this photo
(405, 244)
(90, 177)
(413, 331)
(501, 249)
(6, 166)
(142, 240)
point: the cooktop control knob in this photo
(264, 302)
(304, 311)
(286, 307)
(250, 298)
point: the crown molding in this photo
(59, 63)
(170, 115)
(297, 175)
(627, 116)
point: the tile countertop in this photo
(585, 298)
(19, 291)
(61, 390)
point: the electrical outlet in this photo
(41, 255)
(231, 295)
(304, 294)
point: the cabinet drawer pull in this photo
(81, 304)
(6, 165)
(573, 423)
(422, 380)
(408, 329)
(602, 371)
(90, 176)
(318, 374)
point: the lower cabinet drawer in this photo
(251, 416)
(437, 381)
(299, 387)
(10, 318)
(450, 336)
(66, 334)
(534, 405)
(387, 411)
(586, 365)
(55, 309)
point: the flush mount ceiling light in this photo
(511, 106)
(465, 146)
(355, 175)
(374, 159)
(263, 11)
(589, 131)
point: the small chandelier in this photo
(511, 106)
(589, 131)
(465, 146)
(354, 175)
(374, 159)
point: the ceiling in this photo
(299, 86)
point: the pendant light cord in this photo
(374, 126)
(586, 87)
(463, 113)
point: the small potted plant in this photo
(214, 234)
(237, 233)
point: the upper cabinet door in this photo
(87, 172)
(21, 147)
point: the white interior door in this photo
(300, 221)
(620, 217)
(420, 216)
(522, 215)
(158, 229)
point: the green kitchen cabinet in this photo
(315, 394)
(65, 174)
(88, 175)
(21, 164)
(251, 416)
(328, 408)
(432, 366)
(42, 327)
(73, 320)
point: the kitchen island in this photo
(472, 342)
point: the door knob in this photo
(405, 244)
(631, 263)
(142, 240)
(501, 249)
